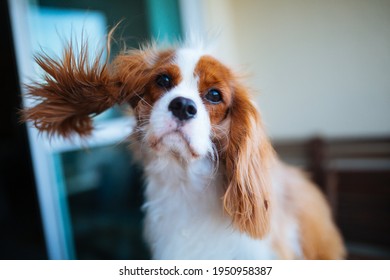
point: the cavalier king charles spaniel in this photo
(215, 189)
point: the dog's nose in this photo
(182, 108)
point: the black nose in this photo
(182, 108)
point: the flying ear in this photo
(73, 90)
(248, 153)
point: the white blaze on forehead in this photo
(186, 60)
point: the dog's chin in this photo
(176, 145)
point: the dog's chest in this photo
(185, 220)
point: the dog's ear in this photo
(73, 90)
(248, 153)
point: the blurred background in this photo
(319, 71)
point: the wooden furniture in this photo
(354, 174)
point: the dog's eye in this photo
(164, 81)
(214, 96)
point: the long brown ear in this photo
(248, 153)
(72, 91)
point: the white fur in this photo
(185, 219)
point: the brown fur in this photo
(246, 198)
(137, 77)
(72, 91)
(213, 75)
(319, 236)
(303, 202)
(248, 152)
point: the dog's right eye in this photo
(164, 81)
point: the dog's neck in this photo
(184, 213)
(171, 175)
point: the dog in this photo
(215, 188)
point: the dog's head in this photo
(188, 106)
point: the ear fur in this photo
(74, 90)
(248, 153)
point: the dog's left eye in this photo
(164, 81)
(214, 96)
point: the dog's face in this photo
(188, 106)
(182, 108)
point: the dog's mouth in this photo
(176, 142)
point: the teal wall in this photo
(164, 20)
